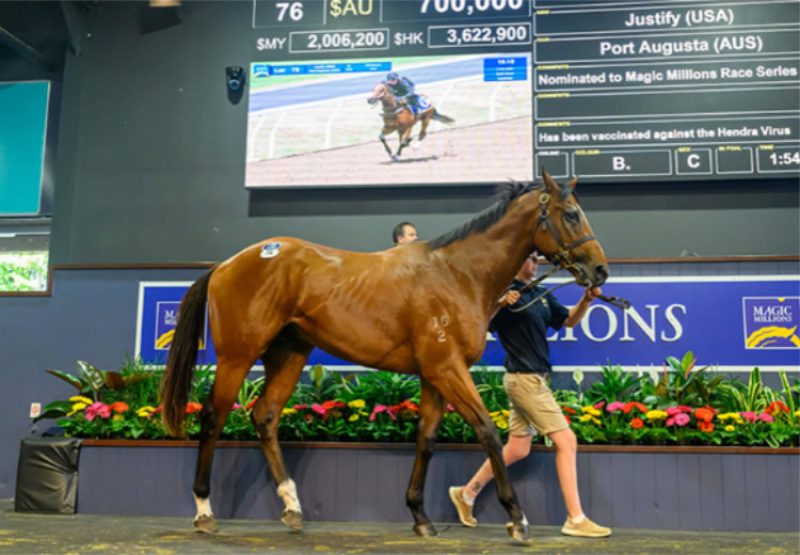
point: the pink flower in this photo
(749, 416)
(684, 408)
(672, 411)
(764, 417)
(319, 409)
(98, 409)
(599, 405)
(236, 406)
(615, 406)
(680, 419)
(379, 409)
(300, 407)
(450, 408)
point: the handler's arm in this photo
(577, 312)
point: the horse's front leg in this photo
(457, 386)
(283, 363)
(431, 407)
(384, 132)
(405, 140)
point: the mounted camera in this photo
(235, 78)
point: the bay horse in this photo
(399, 117)
(421, 308)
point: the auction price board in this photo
(607, 90)
(379, 92)
(667, 90)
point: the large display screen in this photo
(606, 90)
(319, 122)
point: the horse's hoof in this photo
(206, 524)
(426, 530)
(395, 157)
(518, 533)
(293, 519)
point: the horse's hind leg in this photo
(426, 121)
(228, 382)
(431, 407)
(283, 364)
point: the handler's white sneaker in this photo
(464, 509)
(585, 529)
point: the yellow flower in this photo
(353, 418)
(652, 415)
(288, 411)
(730, 416)
(587, 418)
(591, 410)
(797, 414)
(357, 404)
(729, 428)
(145, 412)
(502, 424)
(117, 417)
(78, 407)
(81, 399)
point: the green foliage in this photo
(614, 385)
(684, 384)
(672, 407)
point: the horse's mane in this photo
(483, 220)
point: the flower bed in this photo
(681, 405)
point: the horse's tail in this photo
(441, 117)
(177, 380)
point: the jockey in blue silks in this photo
(403, 89)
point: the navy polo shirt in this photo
(524, 334)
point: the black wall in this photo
(151, 166)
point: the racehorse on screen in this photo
(421, 308)
(398, 116)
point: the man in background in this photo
(403, 233)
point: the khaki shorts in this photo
(533, 407)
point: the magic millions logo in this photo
(771, 322)
(166, 320)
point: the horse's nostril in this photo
(601, 272)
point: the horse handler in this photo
(521, 326)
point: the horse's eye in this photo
(572, 217)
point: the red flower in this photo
(705, 415)
(250, 405)
(119, 407)
(637, 423)
(634, 405)
(706, 427)
(319, 409)
(569, 410)
(569, 420)
(599, 405)
(775, 407)
(192, 407)
(330, 405)
(300, 407)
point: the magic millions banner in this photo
(733, 323)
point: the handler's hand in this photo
(592, 293)
(509, 298)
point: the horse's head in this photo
(378, 93)
(563, 234)
(381, 92)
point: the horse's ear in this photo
(570, 186)
(549, 182)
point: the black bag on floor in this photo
(47, 475)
